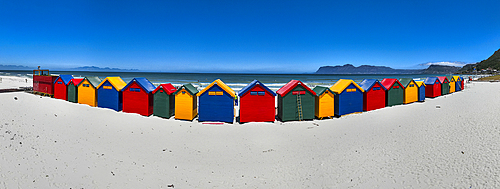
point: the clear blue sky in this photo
(245, 36)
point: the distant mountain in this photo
(492, 62)
(367, 69)
(14, 67)
(95, 68)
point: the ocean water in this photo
(236, 81)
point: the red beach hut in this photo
(61, 87)
(138, 97)
(374, 95)
(432, 87)
(257, 103)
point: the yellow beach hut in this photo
(186, 104)
(87, 91)
(325, 103)
(411, 90)
(452, 83)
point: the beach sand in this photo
(51, 143)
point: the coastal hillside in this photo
(367, 69)
(492, 62)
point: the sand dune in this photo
(51, 143)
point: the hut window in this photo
(412, 85)
(437, 82)
(183, 92)
(218, 93)
(135, 89)
(107, 87)
(85, 85)
(59, 82)
(298, 92)
(376, 88)
(262, 93)
(395, 87)
(211, 93)
(253, 93)
(351, 90)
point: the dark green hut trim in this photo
(189, 87)
(319, 90)
(405, 81)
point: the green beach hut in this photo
(164, 100)
(445, 85)
(295, 102)
(394, 93)
(73, 89)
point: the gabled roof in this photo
(457, 78)
(189, 88)
(431, 80)
(406, 81)
(442, 79)
(367, 84)
(75, 81)
(143, 83)
(253, 84)
(167, 87)
(93, 80)
(420, 83)
(221, 84)
(450, 78)
(319, 90)
(117, 82)
(342, 84)
(389, 82)
(65, 78)
(291, 85)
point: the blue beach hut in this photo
(421, 91)
(348, 98)
(216, 103)
(109, 93)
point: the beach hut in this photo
(432, 87)
(324, 102)
(87, 91)
(109, 93)
(164, 100)
(73, 89)
(43, 82)
(394, 95)
(445, 85)
(452, 83)
(61, 86)
(348, 97)
(458, 83)
(138, 96)
(421, 90)
(216, 103)
(411, 90)
(257, 103)
(186, 102)
(295, 102)
(374, 95)
(462, 83)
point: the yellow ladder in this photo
(299, 107)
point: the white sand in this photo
(13, 82)
(51, 143)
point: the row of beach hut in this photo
(257, 103)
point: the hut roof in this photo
(388, 82)
(291, 85)
(222, 85)
(442, 79)
(342, 84)
(76, 81)
(367, 84)
(167, 87)
(117, 82)
(431, 80)
(457, 78)
(420, 83)
(251, 85)
(94, 81)
(144, 83)
(450, 78)
(319, 90)
(189, 88)
(65, 78)
(405, 81)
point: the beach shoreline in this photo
(448, 141)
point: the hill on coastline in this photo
(367, 69)
(492, 62)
